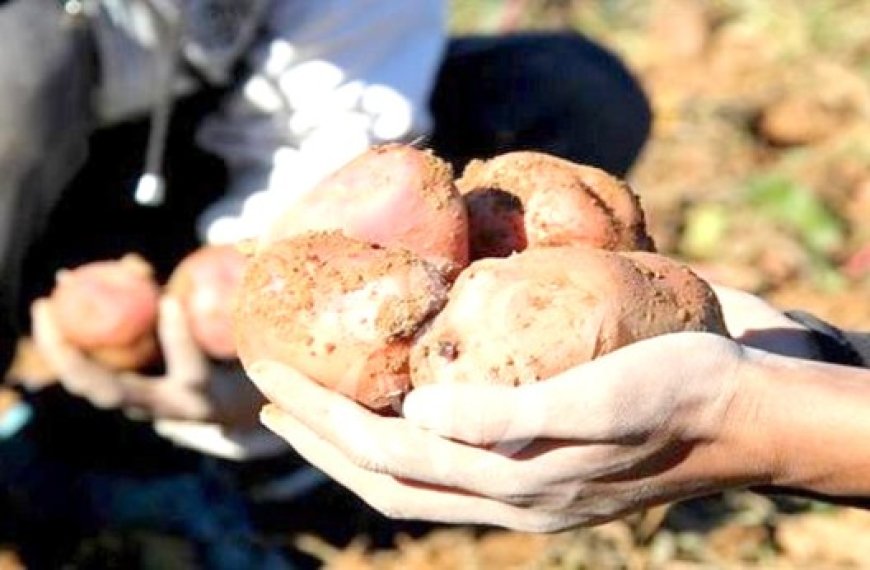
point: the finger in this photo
(744, 312)
(146, 397)
(480, 414)
(621, 397)
(207, 438)
(579, 406)
(398, 499)
(394, 446)
(185, 361)
(76, 372)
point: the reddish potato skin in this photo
(559, 202)
(205, 282)
(532, 315)
(109, 310)
(392, 195)
(697, 302)
(338, 310)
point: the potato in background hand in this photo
(206, 282)
(108, 309)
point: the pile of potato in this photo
(392, 274)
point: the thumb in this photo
(185, 361)
(588, 402)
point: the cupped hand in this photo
(656, 421)
(755, 322)
(193, 388)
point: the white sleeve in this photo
(329, 79)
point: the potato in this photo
(370, 307)
(535, 314)
(205, 282)
(531, 199)
(109, 310)
(392, 195)
(697, 302)
(338, 310)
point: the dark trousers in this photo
(83, 488)
(66, 197)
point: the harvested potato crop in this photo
(205, 282)
(697, 302)
(109, 309)
(338, 310)
(535, 314)
(370, 308)
(392, 195)
(531, 199)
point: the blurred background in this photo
(757, 173)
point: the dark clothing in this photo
(836, 346)
(74, 472)
(46, 73)
(555, 92)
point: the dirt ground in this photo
(758, 174)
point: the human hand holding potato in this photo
(570, 376)
(190, 388)
(757, 323)
(567, 379)
(108, 310)
(652, 422)
(661, 420)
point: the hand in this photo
(754, 322)
(653, 422)
(192, 389)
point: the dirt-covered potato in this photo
(108, 309)
(535, 314)
(338, 310)
(205, 282)
(531, 199)
(392, 195)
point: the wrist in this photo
(747, 454)
(810, 424)
(725, 450)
